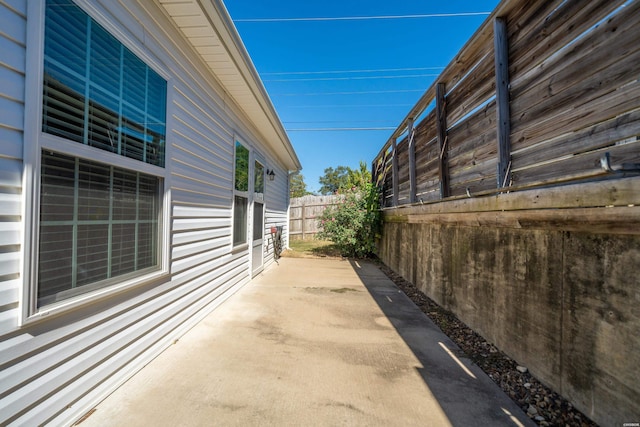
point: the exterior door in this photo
(257, 240)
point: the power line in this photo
(363, 18)
(347, 106)
(329, 121)
(340, 129)
(348, 93)
(380, 70)
(352, 78)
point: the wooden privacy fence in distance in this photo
(545, 93)
(304, 212)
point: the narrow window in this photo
(241, 195)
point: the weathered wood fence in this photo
(304, 212)
(511, 195)
(546, 92)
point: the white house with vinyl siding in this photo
(136, 148)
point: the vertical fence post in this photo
(412, 162)
(441, 127)
(394, 170)
(501, 52)
(303, 215)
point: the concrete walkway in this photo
(312, 342)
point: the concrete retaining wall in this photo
(558, 290)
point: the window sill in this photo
(240, 248)
(99, 295)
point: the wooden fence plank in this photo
(427, 158)
(477, 149)
(479, 177)
(601, 135)
(467, 136)
(472, 92)
(528, 16)
(585, 55)
(581, 164)
(537, 43)
(618, 220)
(594, 88)
(589, 114)
(621, 192)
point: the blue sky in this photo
(349, 74)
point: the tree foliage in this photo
(355, 224)
(358, 178)
(333, 179)
(343, 178)
(297, 186)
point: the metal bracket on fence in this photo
(605, 163)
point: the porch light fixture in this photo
(271, 174)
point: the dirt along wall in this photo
(558, 290)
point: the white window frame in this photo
(237, 247)
(35, 140)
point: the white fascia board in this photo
(221, 22)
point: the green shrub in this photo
(354, 224)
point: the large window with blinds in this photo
(102, 174)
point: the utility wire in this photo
(363, 18)
(347, 106)
(313, 122)
(352, 78)
(339, 129)
(348, 93)
(380, 70)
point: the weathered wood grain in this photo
(573, 94)
(619, 192)
(577, 118)
(584, 163)
(479, 177)
(589, 53)
(472, 92)
(616, 220)
(598, 136)
(557, 24)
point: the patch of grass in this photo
(312, 248)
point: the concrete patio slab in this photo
(312, 342)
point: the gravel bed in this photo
(539, 402)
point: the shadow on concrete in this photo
(465, 393)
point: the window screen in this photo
(97, 222)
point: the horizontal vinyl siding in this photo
(55, 370)
(94, 349)
(12, 92)
(276, 211)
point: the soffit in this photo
(209, 29)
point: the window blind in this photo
(97, 92)
(97, 222)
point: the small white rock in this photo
(521, 369)
(527, 385)
(532, 410)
